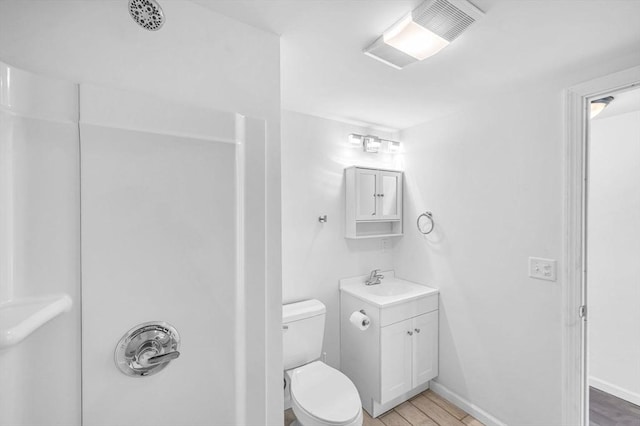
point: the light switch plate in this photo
(543, 269)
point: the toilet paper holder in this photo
(366, 320)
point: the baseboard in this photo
(614, 390)
(467, 406)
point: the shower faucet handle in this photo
(147, 349)
(161, 359)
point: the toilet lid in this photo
(325, 393)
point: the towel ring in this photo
(421, 228)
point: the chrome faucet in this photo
(374, 277)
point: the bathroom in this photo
(482, 127)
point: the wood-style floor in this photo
(425, 409)
(608, 410)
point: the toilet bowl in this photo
(321, 396)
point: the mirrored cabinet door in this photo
(389, 195)
(366, 194)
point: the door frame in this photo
(575, 404)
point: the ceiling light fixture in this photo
(414, 39)
(599, 105)
(424, 32)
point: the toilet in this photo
(320, 395)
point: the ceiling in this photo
(324, 72)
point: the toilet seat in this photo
(324, 396)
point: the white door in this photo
(366, 194)
(390, 196)
(425, 348)
(395, 359)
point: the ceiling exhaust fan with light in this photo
(425, 31)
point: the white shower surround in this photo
(41, 253)
(199, 58)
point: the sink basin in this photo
(389, 288)
(389, 292)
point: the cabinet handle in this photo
(410, 333)
(417, 330)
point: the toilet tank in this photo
(302, 332)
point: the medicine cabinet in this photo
(373, 203)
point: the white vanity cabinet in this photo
(373, 202)
(394, 358)
(408, 355)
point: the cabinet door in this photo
(390, 195)
(366, 194)
(395, 360)
(425, 348)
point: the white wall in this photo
(492, 176)
(613, 251)
(492, 173)
(200, 58)
(315, 255)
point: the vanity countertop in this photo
(391, 291)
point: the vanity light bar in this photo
(371, 143)
(374, 144)
(355, 139)
(392, 147)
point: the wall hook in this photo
(322, 219)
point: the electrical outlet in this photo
(542, 269)
(385, 245)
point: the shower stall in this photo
(132, 237)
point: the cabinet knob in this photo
(410, 333)
(417, 330)
(382, 195)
